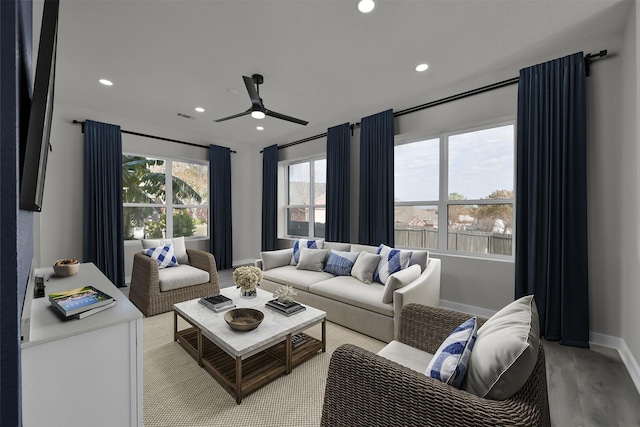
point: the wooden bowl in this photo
(243, 319)
(66, 267)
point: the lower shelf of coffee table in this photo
(257, 370)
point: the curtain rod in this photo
(78, 122)
(588, 59)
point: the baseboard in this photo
(469, 309)
(625, 354)
(594, 338)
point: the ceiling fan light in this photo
(258, 114)
(366, 6)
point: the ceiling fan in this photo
(258, 109)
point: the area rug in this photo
(177, 392)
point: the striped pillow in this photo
(340, 263)
(391, 261)
(164, 255)
(451, 361)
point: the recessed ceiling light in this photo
(106, 82)
(259, 128)
(257, 114)
(200, 109)
(422, 67)
(366, 6)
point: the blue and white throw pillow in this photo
(164, 255)
(340, 263)
(391, 261)
(304, 243)
(451, 361)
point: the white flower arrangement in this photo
(285, 294)
(247, 277)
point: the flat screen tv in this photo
(37, 145)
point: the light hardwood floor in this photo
(587, 387)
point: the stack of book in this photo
(80, 302)
(288, 308)
(217, 302)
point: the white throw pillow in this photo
(398, 280)
(273, 259)
(304, 243)
(312, 259)
(364, 267)
(505, 351)
(179, 247)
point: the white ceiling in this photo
(322, 61)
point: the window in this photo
(146, 201)
(464, 180)
(306, 198)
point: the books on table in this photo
(79, 300)
(286, 308)
(94, 310)
(217, 302)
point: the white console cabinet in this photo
(81, 372)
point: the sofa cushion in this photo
(312, 259)
(505, 351)
(398, 280)
(450, 362)
(304, 243)
(340, 263)
(163, 255)
(273, 259)
(355, 247)
(391, 261)
(406, 355)
(181, 277)
(352, 291)
(365, 266)
(298, 279)
(178, 247)
(343, 247)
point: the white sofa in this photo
(349, 301)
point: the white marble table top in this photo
(273, 329)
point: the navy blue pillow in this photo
(340, 263)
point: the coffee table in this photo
(244, 361)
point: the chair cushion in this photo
(391, 260)
(406, 355)
(398, 280)
(273, 259)
(178, 247)
(365, 266)
(505, 351)
(340, 263)
(450, 362)
(163, 255)
(181, 277)
(312, 259)
(304, 243)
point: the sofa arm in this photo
(364, 389)
(204, 261)
(144, 276)
(424, 290)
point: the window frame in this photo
(312, 197)
(443, 187)
(169, 205)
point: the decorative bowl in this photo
(243, 319)
(66, 267)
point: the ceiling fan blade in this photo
(287, 118)
(253, 93)
(234, 116)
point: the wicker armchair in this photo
(145, 290)
(364, 389)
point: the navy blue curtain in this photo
(221, 242)
(338, 175)
(270, 198)
(376, 179)
(103, 242)
(551, 202)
